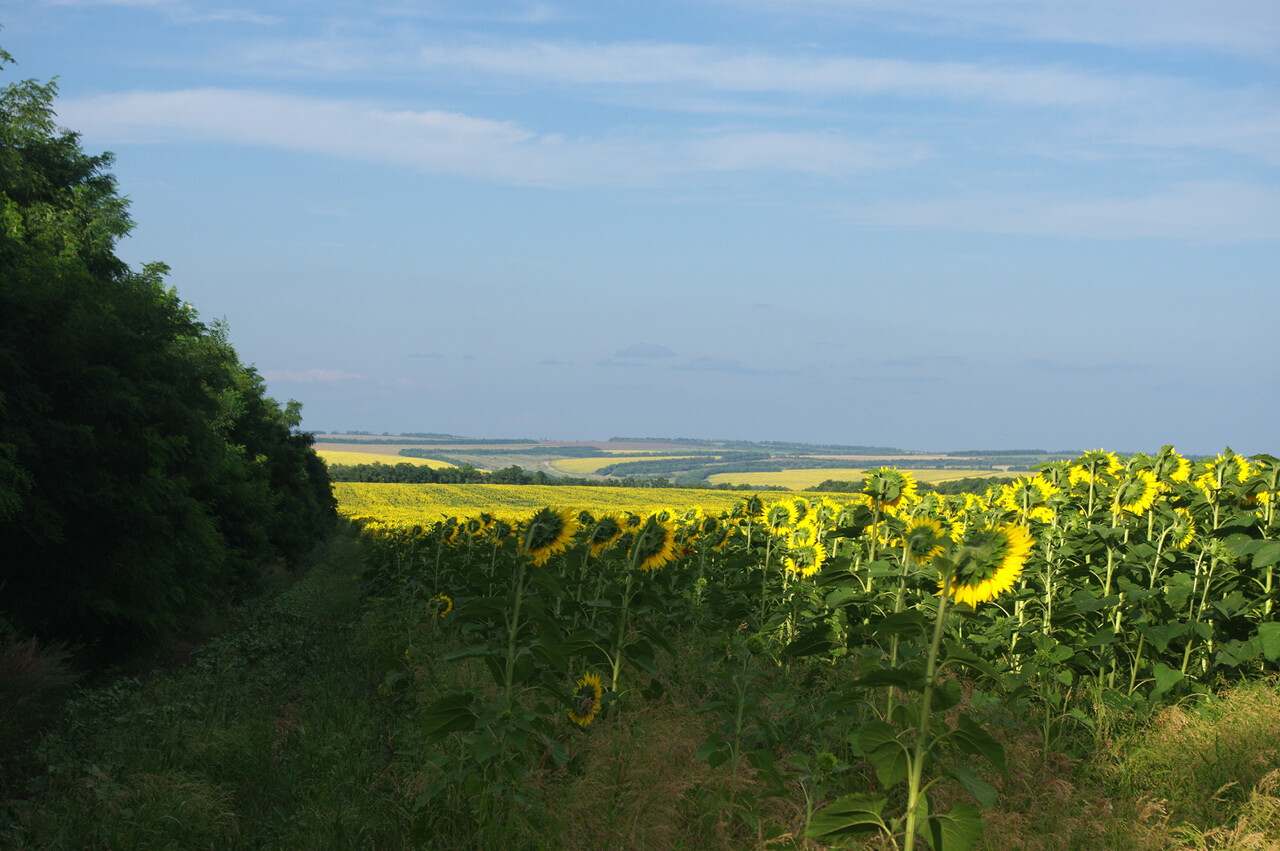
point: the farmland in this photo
(694, 463)
(336, 456)
(1064, 607)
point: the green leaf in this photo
(848, 815)
(1161, 634)
(899, 623)
(1269, 639)
(454, 713)
(812, 642)
(982, 791)
(972, 738)
(956, 653)
(1166, 678)
(957, 830)
(1267, 555)
(880, 745)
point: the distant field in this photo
(427, 503)
(801, 479)
(582, 466)
(337, 456)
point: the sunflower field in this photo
(857, 659)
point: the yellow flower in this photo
(443, 604)
(586, 698)
(806, 559)
(924, 539)
(782, 513)
(889, 487)
(1137, 493)
(604, 535)
(654, 544)
(988, 562)
(548, 532)
(1183, 529)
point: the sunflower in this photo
(780, 514)
(586, 699)
(548, 532)
(1137, 492)
(889, 487)
(654, 545)
(443, 604)
(806, 559)
(1183, 529)
(604, 534)
(1169, 466)
(988, 562)
(1028, 495)
(924, 539)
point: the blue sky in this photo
(932, 224)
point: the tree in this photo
(144, 472)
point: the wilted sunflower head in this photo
(548, 532)
(987, 562)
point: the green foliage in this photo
(144, 473)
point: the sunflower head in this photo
(805, 559)
(586, 699)
(925, 539)
(654, 544)
(548, 532)
(987, 563)
(1183, 530)
(442, 605)
(780, 514)
(888, 487)
(604, 534)
(1137, 492)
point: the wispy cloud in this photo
(311, 376)
(716, 68)
(450, 142)
(1247, 27)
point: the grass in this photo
(266, 738)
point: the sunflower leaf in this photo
(849, 814)
(957, 830)
(880, 745)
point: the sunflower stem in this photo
(922, 743)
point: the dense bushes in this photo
(144, 472)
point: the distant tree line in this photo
(145, 475)
(421, 474)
